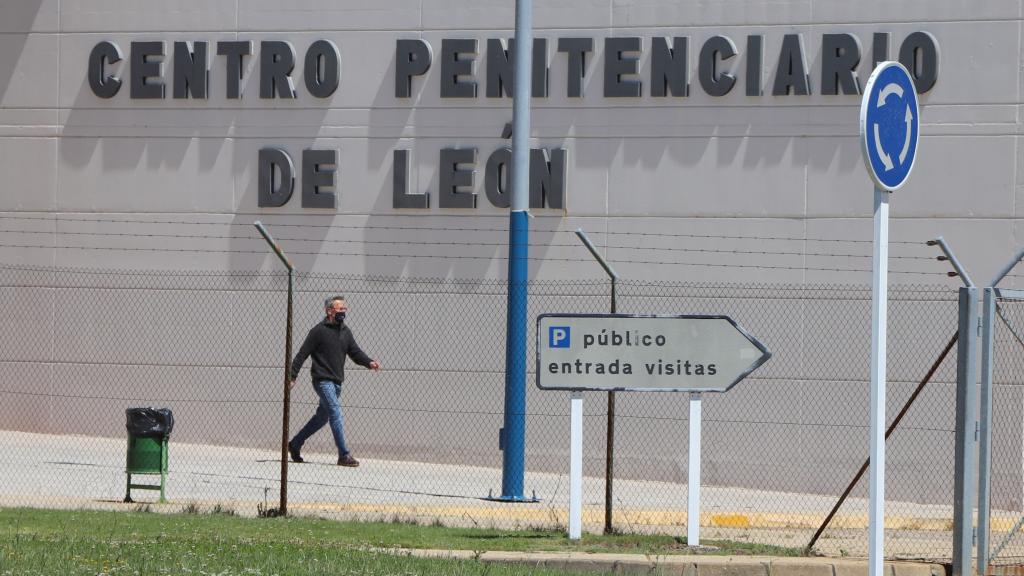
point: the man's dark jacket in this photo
(329, 344)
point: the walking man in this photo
(329, 343)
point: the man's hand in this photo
(374, 365)
(291, 384)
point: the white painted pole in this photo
(879, 304)
(575, 464)
(693, 469)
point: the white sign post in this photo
(692, 354)
(693, 474)
(575, 465)
(889, 127)
(879, 315)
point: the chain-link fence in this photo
(1006, 520)
(81, 346)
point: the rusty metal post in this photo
(286, 409)
(892, 427)
(609, 455)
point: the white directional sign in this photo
(644, 353)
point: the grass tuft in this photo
(223, 510)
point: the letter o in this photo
(324, 85)
(927, 74)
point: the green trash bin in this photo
(148, 433)
(146, 456)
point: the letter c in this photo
(105, 52)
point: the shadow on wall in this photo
(452, 243)
(199, 156)
(119, 131)
(16, 21)
(134, 135)
(715, 135)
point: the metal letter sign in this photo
(889, 121)
(646, 353)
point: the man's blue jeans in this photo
(329, 411)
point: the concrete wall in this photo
(738, 165)
(726, 189)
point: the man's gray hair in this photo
(329, 301)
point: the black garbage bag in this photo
(149, 422)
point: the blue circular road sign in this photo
(889, 122)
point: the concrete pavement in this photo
(687, 565)
(88, 472)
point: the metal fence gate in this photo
(1003, 541)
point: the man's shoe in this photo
(294, 452)
(347, 460)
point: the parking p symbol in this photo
(558, 336)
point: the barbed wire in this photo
(58, 219)
(460, 257)
(480, 287)
(467, 244)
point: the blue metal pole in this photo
(514, 433)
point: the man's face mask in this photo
(339, 316)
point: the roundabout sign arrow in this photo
(889, 125)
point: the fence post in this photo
(609, 454)
(286, 408)
(963, 496)
(985, 424)
(985, 427)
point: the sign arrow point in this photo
(909, 119)
(886, 160)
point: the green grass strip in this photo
(34, 541)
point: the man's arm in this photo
(304, 351)
(362, 358)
